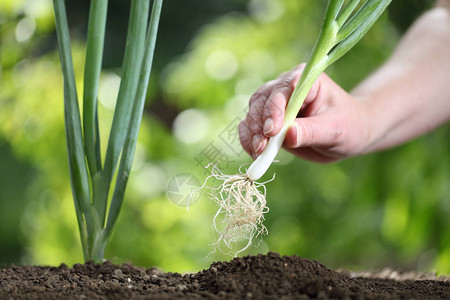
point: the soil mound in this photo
(268, 276)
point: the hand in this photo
(331, 124)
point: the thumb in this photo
(312, 131)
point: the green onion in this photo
(90, 181)
(241, 199)
(338, 35)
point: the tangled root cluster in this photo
(242, 205)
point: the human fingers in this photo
(253, 120)
(312, 141)
(274, 107)
(314, 155)
(311, 102)
(265, 117)
(315, 131)
(255, 107)
(259, 143)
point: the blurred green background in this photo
(387, 209)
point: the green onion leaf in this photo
(93, 65)
(131, 68)
(75, 148)
(135, 120)
(346, 12)
(357, 27)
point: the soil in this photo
(268, 276)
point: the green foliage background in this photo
(387, 209)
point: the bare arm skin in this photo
(406, 97)
(410, 94)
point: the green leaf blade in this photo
(365, 18)
(75, 148)
(135, 120)
(346, 12)
(364, 14)
(93, 65)
(131, 68)
(332, 11)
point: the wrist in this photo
(372, 130)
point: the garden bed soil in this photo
(268, 276)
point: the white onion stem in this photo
(263, 162)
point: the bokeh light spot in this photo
(25, 29)
(150, 181)
(266, 10)
(38, 8)
(259, 62)
(33, 129)
(191, 126)
(109, 89)
(248, 85)
(221, 65)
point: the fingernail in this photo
(268, 126)
(257, 143)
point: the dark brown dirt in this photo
(253, 277)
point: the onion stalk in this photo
(91, 181)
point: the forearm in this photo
(410, 94)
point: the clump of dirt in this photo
(268, 276)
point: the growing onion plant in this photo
(92, 178)
(240, 197)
